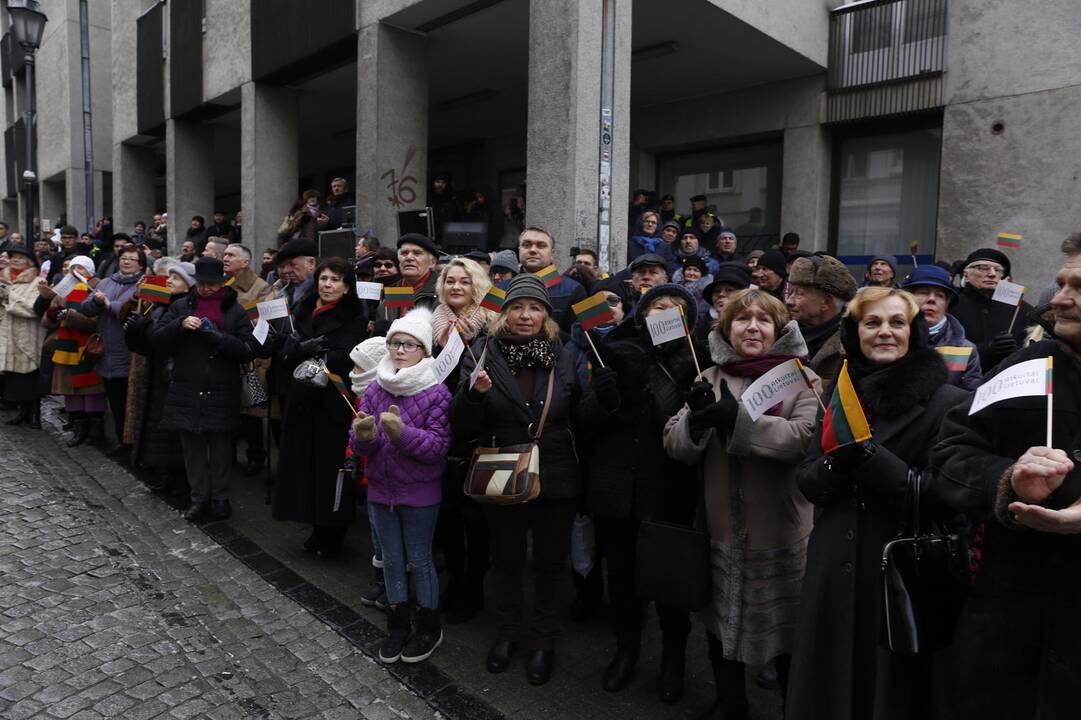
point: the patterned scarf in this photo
(71, 345)
(443, 319)
(534, 353)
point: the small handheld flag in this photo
(398, 297)
(593, 311)
(155, 288)
(1024, 379)
(844, 422)
(339, 385)
(955, 356)
(76, 295)
(1009, 240)
(494, 299)
(549, 276)
(252, 309)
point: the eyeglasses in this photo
(403, 345)
(987, 269)
(384, 265)
(649, 222)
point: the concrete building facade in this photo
(864, 128)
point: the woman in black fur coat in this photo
(839, 669)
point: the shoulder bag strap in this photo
(547, 404)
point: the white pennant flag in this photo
(1026, 379)
(665, 326)
(1008, 292)
(782, 382)
(449, 356)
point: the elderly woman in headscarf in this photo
(21, 335)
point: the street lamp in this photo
(27, 27)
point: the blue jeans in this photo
(377, 551)
(405, 536)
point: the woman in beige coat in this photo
(758, 520)
(21, 335)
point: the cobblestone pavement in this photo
(112, 606)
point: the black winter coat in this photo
(626, 465)
(152, 446)
(1017, 644)
(502, 416)
(983, 318)
(204, 387)
(839, 669)
(315, 425)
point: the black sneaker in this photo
(398, 628)
(375, 591)
(221, 510)
(427, 636)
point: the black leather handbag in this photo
(924, 581)
(672, 562)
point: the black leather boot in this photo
(673, 669)
(538, 669)
(34, 421)
(22, 416)
(82, 429)
(620, 671)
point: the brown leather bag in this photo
(95, 348)
(509, 475)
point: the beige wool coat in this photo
(21, 332)
(758, 519)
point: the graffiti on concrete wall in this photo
(402, 185)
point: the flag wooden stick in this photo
(810, 385)
(343, 397)
(1050, 397)
(139, 306)
(601, 361)
(687, 332)
(1015, 311)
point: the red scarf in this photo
(420, 281)
(323, 308)
(209, 307)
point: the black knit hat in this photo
(671, 290)
(775, 261)
(695, 261)
(419, 240)
(991, 255)
(735, 274)
(527, 285)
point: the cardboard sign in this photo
(1021, 380)
(274, 309)
(665, 326)
(370, 291)
(782, 382)
(449, 356)
(1008, 292)
(262, 329)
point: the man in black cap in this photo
(296, 265)
(417, 257)
(668, 210)
(647, 271)
(208, 335)
(698, 206)
(770, 273)
(986, 322)
(819, 288)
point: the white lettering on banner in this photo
(262, 329)
(1021, 380)
(776, 386)
(273, 309)
(449, 356)
(1008, 292)
(369, 290)
(665, 326)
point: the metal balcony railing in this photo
(878, 42)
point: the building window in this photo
(888, 193)
(924, 19)
(742, 186)
(872, 29)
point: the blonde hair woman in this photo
(461, 286)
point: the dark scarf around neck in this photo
(527, 353)
(816, 337)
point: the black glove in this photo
(700, 395)
(1003, 344)
(606, 388)
(136, 321)
(849, 457)
(310, 348)
(720, 415)
(211, 333)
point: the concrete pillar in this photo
(392, 127)
(805, 193)
(269, 161)
(134, 176)
(562, 142)
(52, 203)
(189, 176)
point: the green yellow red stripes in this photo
(844, 422)
(593, 311)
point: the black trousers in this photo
(208, 458)
(116, 389)
(251, 429)
(462, 534)
(550, 523)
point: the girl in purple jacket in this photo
(404, 430)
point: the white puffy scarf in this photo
(407, 381)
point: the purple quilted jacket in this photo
(410, 471)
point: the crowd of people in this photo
(622, 433)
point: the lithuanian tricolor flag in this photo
(844, 422)
(398, 297)
(593, 311)
(252, 309)
(1010, 240)
(494, 299)
(155, 288)
(955, 357)
(548, 275)
(339, 385)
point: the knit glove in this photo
(310, 348)
(364, 427)
(1003, 344)
(700, 396)
(606, 387)
(391, 421)
(720, 415)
